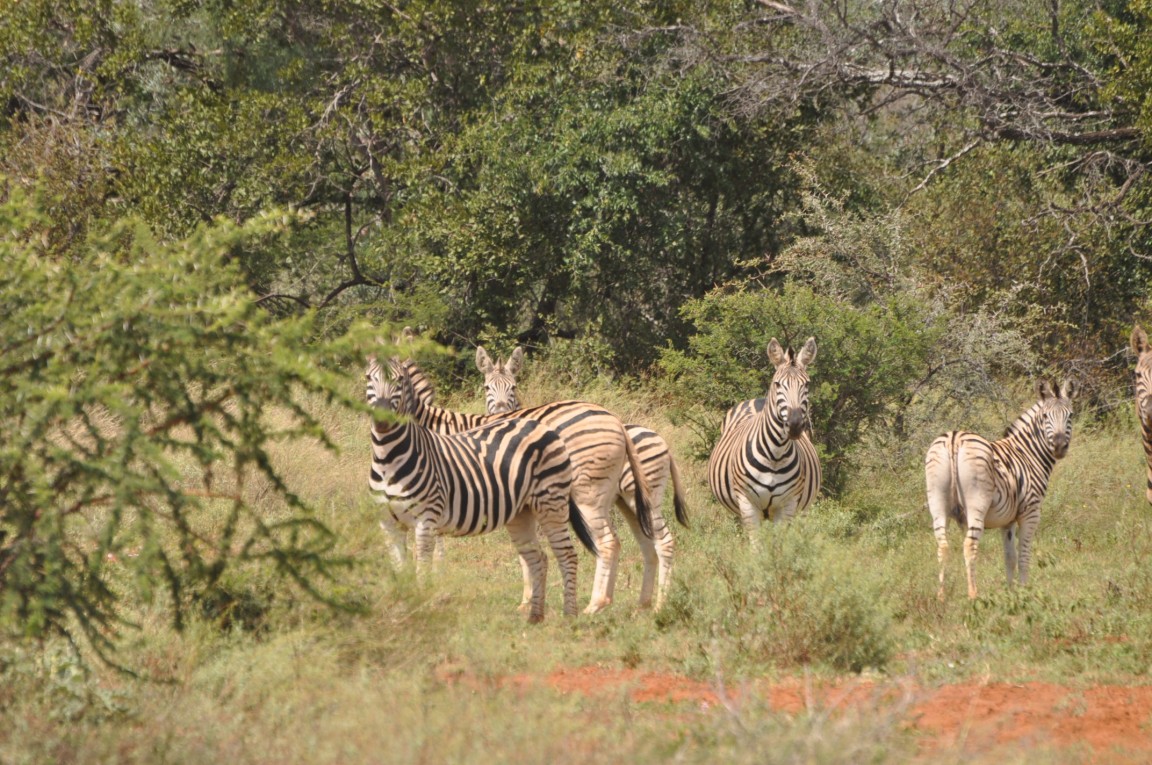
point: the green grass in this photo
(420, 674)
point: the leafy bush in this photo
(135, 382)
(867, 358)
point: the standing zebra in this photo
(515, 473)
(764, 465)
(1144, 398)
(998, 484)
(599, 448)
(657, 467)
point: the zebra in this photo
(599, 448)
(1143, 353)
(515, 473)
(998, 484)
(657, 466)
(500, 380)
(764, 465)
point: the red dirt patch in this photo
(971, 717)
(976, 716)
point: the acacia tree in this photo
(134, 388)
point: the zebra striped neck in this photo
(1027, 435)
(773, 433)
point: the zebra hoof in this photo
(535, 618)
(595, 608)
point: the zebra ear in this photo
(776, 353)
(1139, 340)
(396, 367)
(1045, 390)
(515, 362)
(483, 361)
(807, 354)
(1069, 389)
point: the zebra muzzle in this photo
(796, 422)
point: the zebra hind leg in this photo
(554, 527)
(647, 549)
(971, 551)
(595, 503)
(1011, 555)
(522, 530)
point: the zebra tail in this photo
(678, 493)
(581, 528)
(643, 498)
(954, 495)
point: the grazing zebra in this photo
(998, 484)
(1144, 397)
(599, 448)
(657, 467)
(764, 465)
(514, 474)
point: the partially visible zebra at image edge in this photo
(998, 484)
(1143, 385)
(764, 465)
(515, 474)
(656, 464)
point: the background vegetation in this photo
(207, 207)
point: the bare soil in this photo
(1108, 723)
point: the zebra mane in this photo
(1026, 422)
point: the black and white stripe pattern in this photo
(499, 380)
(599, 448)
(1143, 385)
(998, 484)
(657, 467)
(514, 474)
(764, 466)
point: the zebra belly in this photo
(1002, 513)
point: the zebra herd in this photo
(545, 468)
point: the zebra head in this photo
(1054, 415)
(1143, 353)
(393, 395)
(500, 380)
(789, 389)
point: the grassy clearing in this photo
(420, 675)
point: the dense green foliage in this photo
(135, 387)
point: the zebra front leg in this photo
(522, 530)
(397, 537)
(426, 536)
(438, 553)
(1011, 556)
(750, 517)
(1029, 522)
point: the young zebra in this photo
(998, 484)
(764, 465)
(1144, 398)
(514, 474)
(657, 467)
(599, 448)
